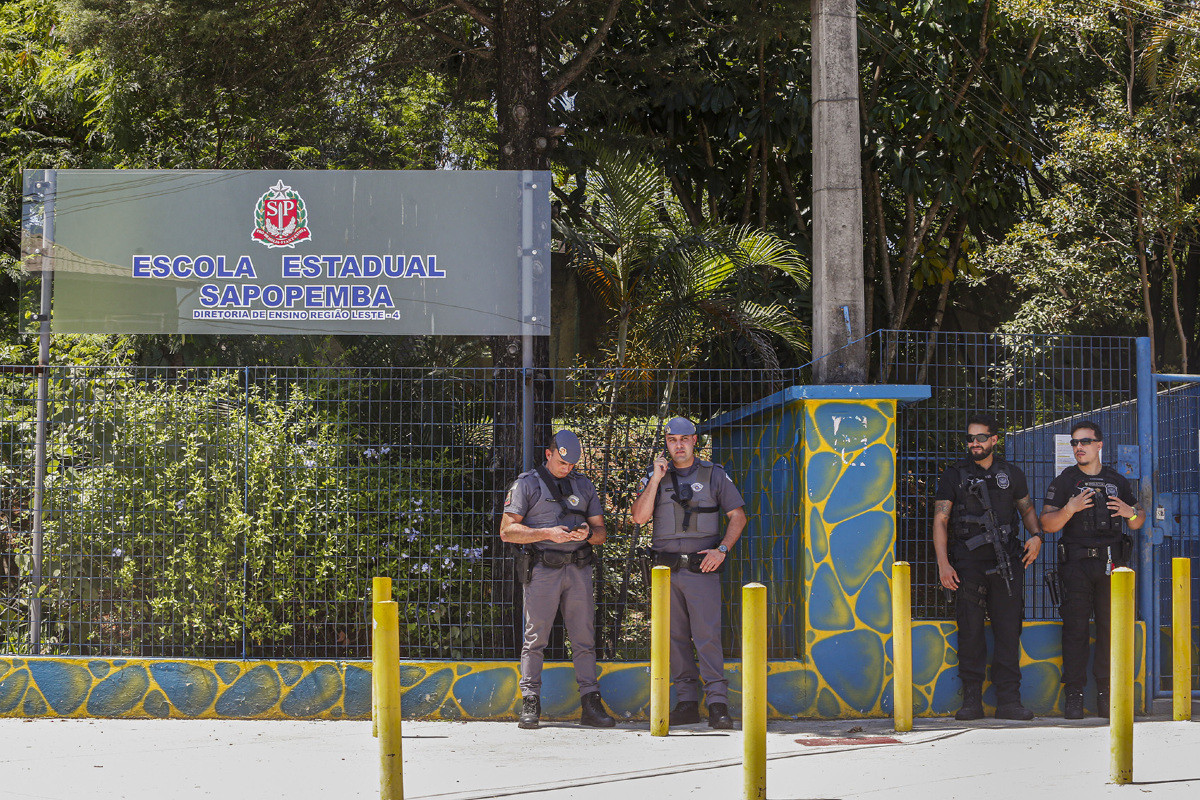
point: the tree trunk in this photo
(1183, 341)
(1143, 270)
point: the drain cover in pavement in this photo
(830, 741)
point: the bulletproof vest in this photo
(967, 504)
(548, 512)
(700, 510)
(1096, 526)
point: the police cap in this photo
(568, 447)
(680, 426)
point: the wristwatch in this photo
(1134, 515)
(722, 549)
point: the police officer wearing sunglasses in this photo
(556, 517)
(1089, 502)
(978, 501)
(687, 497)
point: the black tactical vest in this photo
(1095, 526)
(966, 504)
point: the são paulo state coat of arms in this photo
(280, 218)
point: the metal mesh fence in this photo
(241, 513)
(1036, 386)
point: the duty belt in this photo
(1075, 552)
(556, 559)
(689, 561)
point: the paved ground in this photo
(153, 760)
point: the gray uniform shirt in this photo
(727, 496)
(529, 499)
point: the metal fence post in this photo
(1146, 558)
(245, 510)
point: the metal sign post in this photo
(46, 189)
(531, 260)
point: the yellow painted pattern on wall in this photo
(478, 690)
(849, 537)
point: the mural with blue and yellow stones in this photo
(817, 468)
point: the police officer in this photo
(1088, 502)
(557, 518)
(968, 563)
(686, 497)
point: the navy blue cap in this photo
(568, 447)
(681, 426)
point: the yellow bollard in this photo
(660, 650)
(386, 666)
(902, 705)
(1181, 637)
(754, 690)
(1120, 683)
(381, 590)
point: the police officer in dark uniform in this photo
(968, 563)
(557, 518)
(1088, 502)
(686, 498)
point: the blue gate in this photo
(1174, 452)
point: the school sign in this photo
(295, 252)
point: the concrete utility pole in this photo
(838, 295)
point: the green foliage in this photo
(1111, 248)
(674, 289)
(197, 517)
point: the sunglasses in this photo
(979, 438)
(1077, 442)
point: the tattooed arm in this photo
(941, 543)
(1033, 545)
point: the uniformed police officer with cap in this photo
(1088, 502)
(686, 498)
(556, 516)
(969, 564)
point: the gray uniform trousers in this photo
(696, 617)
(570, 586)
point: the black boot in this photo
(718, 717)
(592, 712)
(687, 712)
(972, 703)
(1013, 710)
(1074, 704)
(1102, 702)
(531, 710)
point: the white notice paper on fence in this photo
(1064, 456)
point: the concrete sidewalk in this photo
(70, 759)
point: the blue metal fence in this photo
(1035, 385)
(1176, 511)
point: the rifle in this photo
(993, 532)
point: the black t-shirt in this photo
(1006, 485)
(1094, 527)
